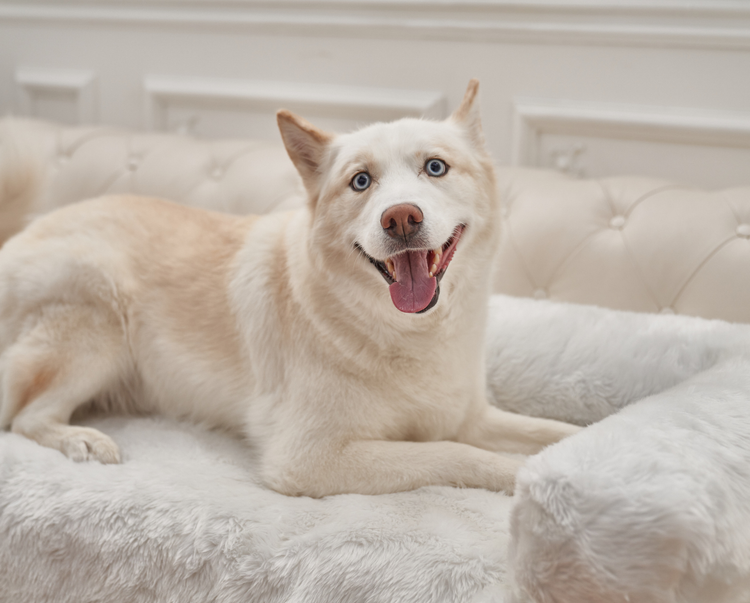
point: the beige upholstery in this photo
(628, 243)
(236, 176)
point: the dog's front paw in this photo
(501, 474)
(87, 444)
(568, 429)
(554, 431)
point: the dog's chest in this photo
(421, 402)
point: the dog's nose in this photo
(402, 221)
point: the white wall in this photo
(595, 87)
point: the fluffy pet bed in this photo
(650, 503)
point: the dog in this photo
(344, 340)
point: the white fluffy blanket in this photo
(183, 518)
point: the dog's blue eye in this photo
(361, 181)
(435, 167)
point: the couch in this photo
(629, 243)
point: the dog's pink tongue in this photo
(415, 288)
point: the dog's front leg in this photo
(381, 467)
(502, 431)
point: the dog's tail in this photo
(20, 179)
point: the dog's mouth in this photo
(414, 275)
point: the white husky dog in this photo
(345, 340)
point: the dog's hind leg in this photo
(503, 431)
(70, 356)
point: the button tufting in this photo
(133, 163)
(617, 222)
(667, 310)
(743, 230)
(540, 294)
(217, 173)
(62, 158)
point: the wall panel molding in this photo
(535, 118)
(348, 102)
(701, 24)
(75, 87)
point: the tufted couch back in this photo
(628, 243)
(235, 176)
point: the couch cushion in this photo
(628, 243)
(235, 176)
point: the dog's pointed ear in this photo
(306, 145)
(467, 114)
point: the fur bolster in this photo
(651, 504)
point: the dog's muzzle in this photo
(414, 275)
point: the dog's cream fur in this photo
(276, 326)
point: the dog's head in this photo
(393, 203)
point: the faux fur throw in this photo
(183, 518)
